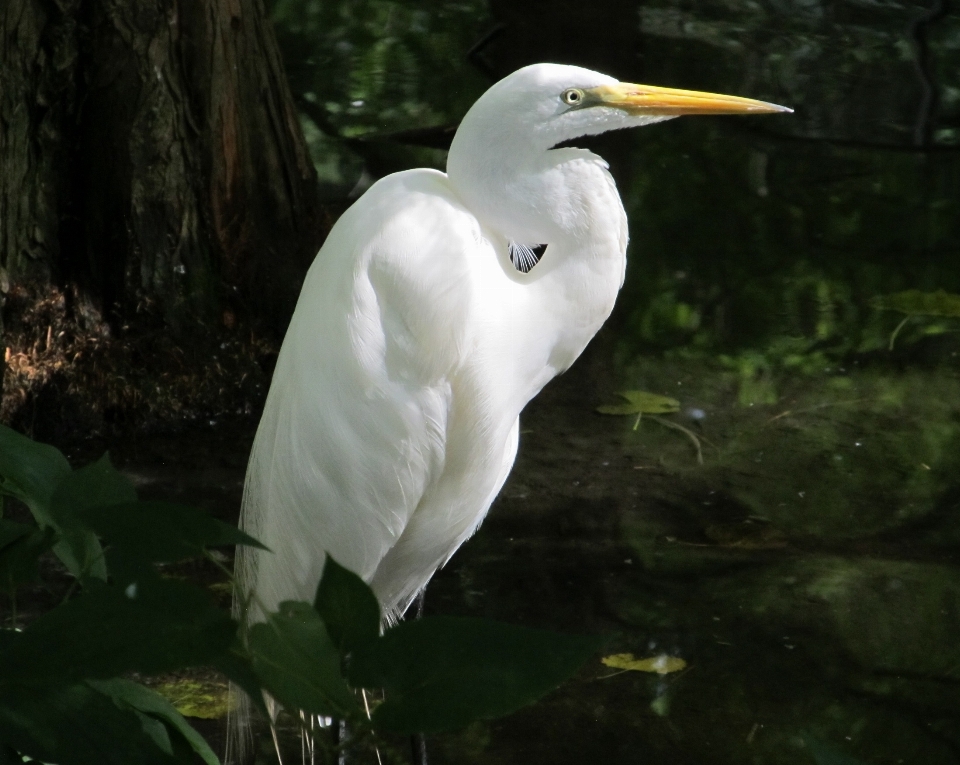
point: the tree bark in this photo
(151, 161)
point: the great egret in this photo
(439, 305)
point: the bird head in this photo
(548, 104)
(500, 158)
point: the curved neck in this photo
(532, 197)
(566, 199)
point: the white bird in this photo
(430, 317)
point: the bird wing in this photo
(354, 428)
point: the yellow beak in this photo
(649, 99)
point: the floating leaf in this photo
(652, 404)
(442, 673)
(661, 664)
(617, 409)
(641, 402)
(204, 699)
(917, 303)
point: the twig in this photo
(896, 332)
(789, 412)
(686, 431)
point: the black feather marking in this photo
(525, 257)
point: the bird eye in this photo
(572, 97)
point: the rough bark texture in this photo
(151, 161)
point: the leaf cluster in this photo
(65, 690)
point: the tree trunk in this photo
(151, 161)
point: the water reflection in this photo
(808, 571)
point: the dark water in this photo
(808, 571)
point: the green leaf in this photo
(11, 531)
(148, 702)
(151, 626)
(298, 663)
(917, 303)
(142, 533)
(20, 549)
(651, 403)
(348, 607)
(30, 471)
(237, 665)
(442, 673)
(77, 725)
(618, 409)
(641, 402)
(98, 483)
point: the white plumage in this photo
(392, 419)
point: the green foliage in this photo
(362, 71)
(99, 483)
(348, 607)
(61, 696)
(33, 473)
(149, 704)
(79, 724)
(142, 533)
(298, 663)
(441, 673)
(64, 697)
(107, 721)
(20, 548)
(378, 66)
(149, 626)
(798, 270)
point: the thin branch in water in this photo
(896, 332)
(818, 407)
(686, 431)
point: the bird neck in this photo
(533, 197)
(566, 199)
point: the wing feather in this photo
(355, 425)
